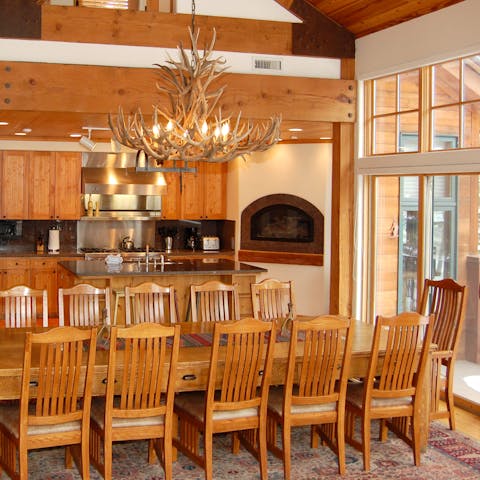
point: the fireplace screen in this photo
(281, 223)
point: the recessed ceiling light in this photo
(20, 133)
(295, 129)
(325, 138)
(293, 137)
(75, 135)
(3, 123)
(26, 130)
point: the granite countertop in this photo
(32, 254)
(194, 266)
(22, 252)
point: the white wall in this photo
(302, 170)
(449, 33)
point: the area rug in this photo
(449, 455)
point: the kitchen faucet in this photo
(147, 253)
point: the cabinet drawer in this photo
(11, 263)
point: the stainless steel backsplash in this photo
(109, 233)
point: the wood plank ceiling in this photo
(363, 17)
(359, 17)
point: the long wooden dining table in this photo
(193, 363)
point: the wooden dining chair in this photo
(214, 301)
(272, 299)
(393, 388)
(22, 306)
(240, 366)
(448, 301)
(146, 355)
(315, 387)
(54, 405)
(83, 305)
(149, 302)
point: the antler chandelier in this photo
(194, 129)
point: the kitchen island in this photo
(179, 273)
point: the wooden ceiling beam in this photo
(318, 35)
(158, 29)
(86, 88)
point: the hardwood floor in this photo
(466, 422)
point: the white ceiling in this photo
(254, 9)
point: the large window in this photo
(395, 112)
(436, 107)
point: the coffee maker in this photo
(191, 238)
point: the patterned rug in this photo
(449, 455)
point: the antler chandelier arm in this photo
(194, 129)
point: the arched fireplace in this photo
(282, 228)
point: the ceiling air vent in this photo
(267, 64)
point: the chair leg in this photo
(286, 435)
(341, 445)
(23, 464)
(449, 397)
(366, 442)
(107, 458)
(208, 454)
(416, 441)
(167, 456)
(262, 451)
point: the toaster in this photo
(210, 243)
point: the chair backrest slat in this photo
(66, 357)
(84, 305)
(272, 299)
(319, 353)
(149, 357)
(214, 301)
(245, 351)
(22, 304)
(149, 302)
(406, 339)
(447, 300)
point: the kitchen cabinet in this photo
(13, 272)
(14, 188)
(203, 194)
(40, 185)
(43, 276)
(68, 167)
(171, 201)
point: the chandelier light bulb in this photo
(225, 130)
(156, 130)
(169, 127)
(204, 128)
(216, 133)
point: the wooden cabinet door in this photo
(13, 191)
(192, 195)
(67, 185)
(215, 190)
(41, 176)
(171, 201)
(15, 272)
(44, 276)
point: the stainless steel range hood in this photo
(111, 182)
(111, 173)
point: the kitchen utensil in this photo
(126, 244)
(168, 244)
